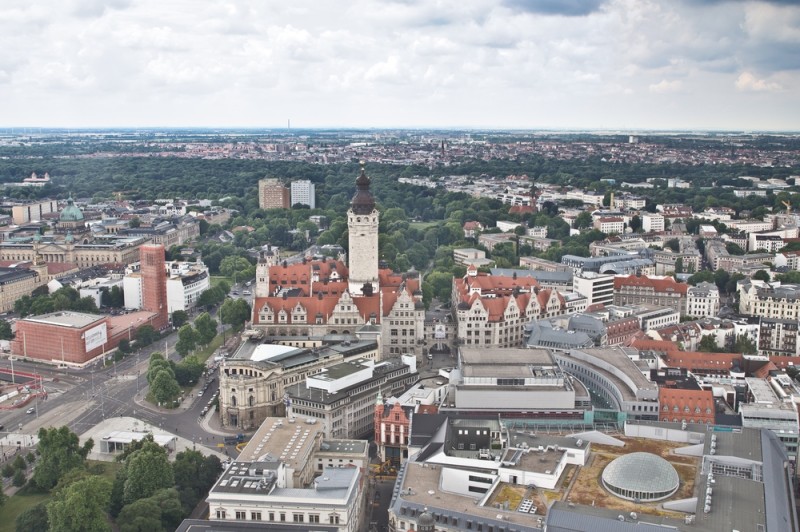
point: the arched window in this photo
(252, 401)
(233, 400)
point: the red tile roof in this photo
(663, 285)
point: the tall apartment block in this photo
(303, 193)
(272, 194)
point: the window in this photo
(297, 518)
(283, 517)
(334, 519)
(241, 515)
(255, 516)
(272, 516)
(220, 514)
(313, 518)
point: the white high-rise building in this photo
(362, 225)
(303, 193)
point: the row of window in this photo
(242, 515)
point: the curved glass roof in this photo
(641, 472)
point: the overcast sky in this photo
(617, 64)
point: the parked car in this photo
(31, 410)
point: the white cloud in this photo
(666, 86)
(748, 82)
(513, 63)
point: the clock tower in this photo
(362, 225)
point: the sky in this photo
(521, 64)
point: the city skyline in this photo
(506, 64)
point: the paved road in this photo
(98, 393)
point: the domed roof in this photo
(71, 213)
(363, 202)
(641, 476)
(425, 519)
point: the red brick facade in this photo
(154, 283)
(44, 341)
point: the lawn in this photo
(421, 226)
(14, 506)
(216, 279)
(17, 504)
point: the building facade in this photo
(272, 194)
(303, 193)
(362, 226)
(660, 291)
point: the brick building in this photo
(154, 283)
(272, 194)
(74, 338)
(392, 423)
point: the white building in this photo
(652, 223)
(258, 491)
(303, 192)
(598, 288)
(769, 300)
(610, 224)
(185, 282)
(771, 408)
(702, 301)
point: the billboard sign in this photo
(95, 337)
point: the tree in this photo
(734, 248)
(148, 470)
(206, 328)
(721, 278)
(791, 277)
(60, 451)
(708, 344)
(679, 265)
(34, 519)
(158, 363)
(140, 516)
(194, 476)
(8, 471)
(19, 463)
(761, 275)
(179, 318)
(162, 511)
(81, 506)
(744, 345)
(188, 370)
(146, 335)
(234, 312)
(19, 478)
(583, 220)
(124, 346)
(187, 340)
(636, 223)
(703, 276)
(164, 387)
(5, 330)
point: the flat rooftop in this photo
(425, 492)
(284, 440)
(355, 447)
(65, 318)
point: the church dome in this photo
(71, 213)
(363, 202)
